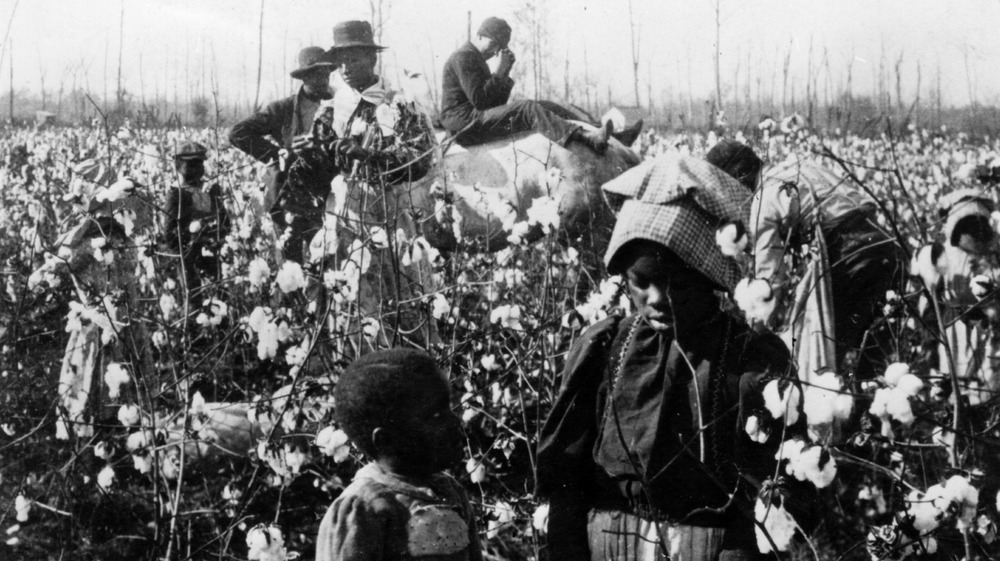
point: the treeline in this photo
(857, 114)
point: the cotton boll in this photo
(129, 415)
(823, 402)
(106, 478)
(981, 286)
(540, 518)
(290, 277)
(909, 385)
(895, 371)
(755, 430)
(732, 239)
(778, 525)
(476, 470)
(815, 464)
(334, 443)
(115, 376)
(966, 497)
(783, 404)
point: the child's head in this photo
(396, 407)
(189, 161)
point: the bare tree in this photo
(636, 32)
(718, 50)
(260, 56)
(784, 79)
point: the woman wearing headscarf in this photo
(643, 455)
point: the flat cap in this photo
(191, 151)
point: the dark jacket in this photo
(468, 86)
(264, 133)
(581, 460)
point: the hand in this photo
(507, 60)
(302, 142)
(351, 149)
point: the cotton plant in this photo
(825, 403)
(265, 542)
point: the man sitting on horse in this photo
(474, 102)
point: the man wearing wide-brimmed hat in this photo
(379, 134)
(474, 101)
(644, 454)
(267, 132)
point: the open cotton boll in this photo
(926, 509)
(782, 404)
(895, 371)
(814, 464)
(778, 525)
(981, 285)
(755, 298)
(290, 277)
(115, 376)
(756, 431)
(909, 385)
(822, 401)
(961, 493)
(732, 239)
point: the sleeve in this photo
(355, 529)
(259, 135)
(566, 443)
(177, 216)
(483, 89)
(774, 207)
(475, 547)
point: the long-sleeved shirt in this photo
(468, 86)
(795, 197)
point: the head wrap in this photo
(678, 201)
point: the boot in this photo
(596, 140)
(628, 136)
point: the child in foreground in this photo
(395, 407)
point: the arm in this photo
(565, 449)
(483, 89)
(773, 208)
(259, 135)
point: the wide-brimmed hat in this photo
(353, 34)
(191, 151)
(311, 58)
(496, 29)
(679, 202)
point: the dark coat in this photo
(468, 86)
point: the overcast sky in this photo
(164, 40)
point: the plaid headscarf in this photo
(679, 201)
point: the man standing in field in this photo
(474, 102)
(268, 133)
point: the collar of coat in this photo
(346, 101)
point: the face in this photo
(357, 66)
(431, 437)
(191, 170)
(664, 291)
(317, 80)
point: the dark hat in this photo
(191, 151)
(496, 29)
(736, 159)
(350, 34)
(311, 58)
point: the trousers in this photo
(549, 119)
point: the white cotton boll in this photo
(259, 318)
(115, 376)
(777, 524)
(823, 402)
(544, 212)
(909, 385)
(23, 507)
(810, 465)
(965, 496)
(732, 239)
(789, 450)
(116, 192)
(104, 450)
(898, 407)
(755, 430)
(167, 305)
(540, 518)
(783, 404)
(379, 238)
(334, 443)
(926, 509)
(370, 327)
(290, 277)
(129, 415)
(755, 298)
(981, 285)
(267, 341)
(259, 273)
(106, 478)
(476, 470)
(895, 371)
(440, 307)
(504, 516)
(295, 458)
